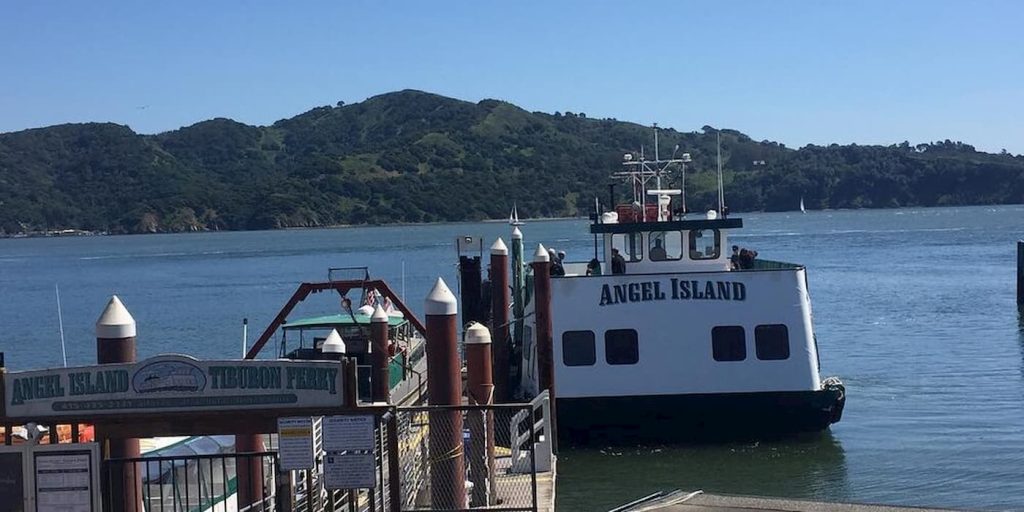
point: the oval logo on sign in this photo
(165, 376)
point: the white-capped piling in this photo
(444, 382)
(499, 320)
(115, 343)
(379, 355)
(545, 343)
(479, 380)
(518, 306)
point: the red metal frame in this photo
(342, 287)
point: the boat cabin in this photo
(354, 329)
(666, 246)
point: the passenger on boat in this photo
(734, 260)
(657, 253)
(747, 258)
(618, 262)
(557, 269)
(594, 267)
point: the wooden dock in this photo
(701, 502)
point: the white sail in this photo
(802, 209)
(513, 217)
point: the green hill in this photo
(411, 156)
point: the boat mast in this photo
(721, 191)
(640, 172)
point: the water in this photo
(914, 309)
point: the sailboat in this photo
(513, 217)
(802, 209)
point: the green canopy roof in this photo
(340, 319)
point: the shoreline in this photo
(75, 233)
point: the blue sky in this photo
(795, 72)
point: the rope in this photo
(452, 454)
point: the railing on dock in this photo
(194, 482)
(504, 446)
(537, 434)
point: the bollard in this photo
(479, 379)
(379, 356)
(545, 342)
(115, 343)
(499, 319)
(444, 382)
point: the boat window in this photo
(629, 246)
(705, 244)
(620, 346)
(578, 348)
(664, 245)
(771, 342)
(728, 343)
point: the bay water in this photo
(913, 308)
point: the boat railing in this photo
(760, 264)
(575, 268)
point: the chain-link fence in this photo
(472, 457)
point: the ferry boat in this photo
(679, 336)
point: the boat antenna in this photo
(721, 193)
(60, 323)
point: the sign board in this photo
(350, 432)
(295, 443)
(350, 471)
(172, 383)
(66, 479)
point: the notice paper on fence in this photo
(349, 432)
(295, 438)
(349, 471)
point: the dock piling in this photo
(379, 356)
(500, 319)
(479, 379)
(115, 343)
(518, 306)
(545, 342)
(444, 380)
(1020, 275)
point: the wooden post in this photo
(517, 256)
(545, 341)
(115, 343)
(444, 382)
(394, 463)
(379, 356)
(249, 470)
(351, 390)
(479, 379)
(499, 320)
(1020, 275)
